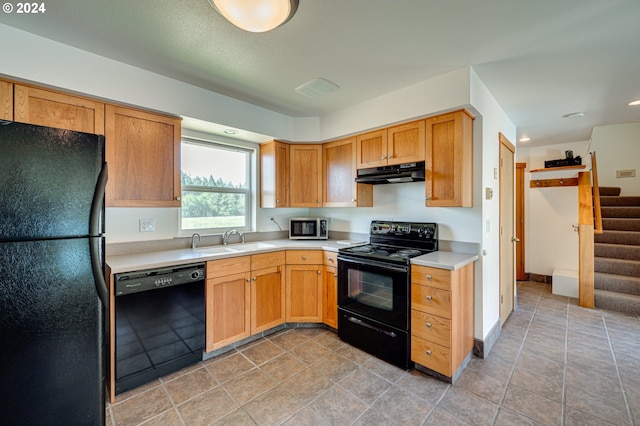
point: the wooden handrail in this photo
(596, 196)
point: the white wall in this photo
(550, 213)
(617, 147)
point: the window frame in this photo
(247, 191)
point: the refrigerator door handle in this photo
(95, 247)
(97, 204)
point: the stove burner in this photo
(362, 249)
(404, 253)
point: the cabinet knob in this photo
(428, 352)
(428, 297)
(277, 201)
(248, 280)
(427, 198)
(304, 257)
(429, 277)
(178, 198)
(319, 201)
(255, 278)
(335, 275)
(319, 272)
(428, 325)
(330, 259)
(389, 157)
(353, 200)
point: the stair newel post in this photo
(586, 241)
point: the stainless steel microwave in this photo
(308, 228)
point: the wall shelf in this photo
(558, 169)
(546, 183)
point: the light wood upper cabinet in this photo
(449, 160)
(143, 154)
(394, 145)
(305, 175)
(339, 164)
(274, 174)
(48, 108)
(6, 100)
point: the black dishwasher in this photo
(159, 323)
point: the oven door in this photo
(376, 290)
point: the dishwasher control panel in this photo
(135, 282)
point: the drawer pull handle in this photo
(428, 297)
(330, 259)
(429, 277)
(428, 325)
(429, 352)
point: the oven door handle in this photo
(372, 327)
(369, 262)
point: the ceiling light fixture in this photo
(524, 139)
(256, 16)
(574, 115)
(634, 103)
(231, 131)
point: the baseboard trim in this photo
(481, 348)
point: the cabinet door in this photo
(371, 149)
(330, 296)
(274, 171)
(304, 293)
(143, 153)
(6, 100)
(449, 160)
(305, 176)
(54, 109)
(340, 189)
(405, 143)
(228, 310)
(267, 298)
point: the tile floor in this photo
(554, 363)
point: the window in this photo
(215, 187)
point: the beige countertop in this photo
(445, 260)
(162, 259)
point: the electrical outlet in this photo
(147, 225)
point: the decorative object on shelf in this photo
(570, 160)
(256, 16)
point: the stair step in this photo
(618, 302)
(617, 251)
(609, 191)
(618, 237)
(621, 224)
(620, 201)
(617, 266)
(620, 211)
(617, 283)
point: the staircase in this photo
(617, 253)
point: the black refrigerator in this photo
(52, 288)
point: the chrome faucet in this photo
(227, 233)
(193, 240)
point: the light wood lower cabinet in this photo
(267, 291)
(303, 298)
(228, 301)
(330, 290)
(441, 317)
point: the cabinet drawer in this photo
(224, 267)
(331, 258)
(267, 260)
(304, 257)
(431, 328)
(431, 300)
(431, 355)
(432, 277)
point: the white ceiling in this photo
(541, 59)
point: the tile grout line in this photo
(515, 361)
(615, 363)
(564, 367)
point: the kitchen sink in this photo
(216, 250)
(251, 246)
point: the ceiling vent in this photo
(317, 87)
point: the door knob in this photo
(515, 239)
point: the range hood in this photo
(409, 172)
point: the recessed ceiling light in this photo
(231, 131)
(573, 115)
(524, 139)
(634, 103)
